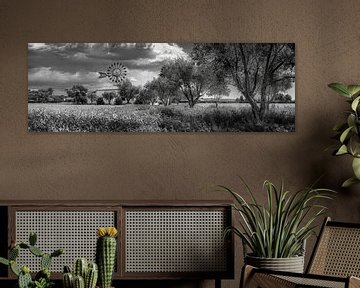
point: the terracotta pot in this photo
(291, 264)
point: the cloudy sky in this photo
(61, 65)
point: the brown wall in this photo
(179, 166)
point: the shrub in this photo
(118, 101)
(100, 101)
(170, 112)
(42, 120)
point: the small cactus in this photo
(67, 269)
(36, 251)
(89, 272)
(45, 261)
(106, 254)
(79, 282)
(13, 253)
(24, 278)
(80, 268)
(68, 280)
(91, 276)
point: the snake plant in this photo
(279, 228)
(348, 132)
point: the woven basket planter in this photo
(291, 264)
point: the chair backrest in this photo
(337, 251)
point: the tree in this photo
(147, 95)
(279, 97)
(40, 96)
(287, 98)
(251, 68)
(279, 68)
(109, 96)
(164, 89)
(192, 80)
(100, 101)
(275, 89)
(218, 88)
(92, 97)
(127, 90)
(78, 93)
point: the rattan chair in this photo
(334, 263)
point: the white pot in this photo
(291, 264)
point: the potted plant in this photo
(42, 278)
(348, 132)
(84, 274)
(275, 233)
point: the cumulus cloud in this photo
(60, 65)
(47, 74)
(37, 46)
(161, 52)
(140, 77)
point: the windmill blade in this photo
(102, 75)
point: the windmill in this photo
(116, 72)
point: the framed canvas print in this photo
(161, 87)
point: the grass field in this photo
(204, 117)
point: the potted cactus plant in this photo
(84, 275)
(42, 278)
(348, 132)
(106, 254)
(275, 233)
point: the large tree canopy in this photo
(78, 92)
(193, 80)
(251, 68)
(127, 90)
(166, 89)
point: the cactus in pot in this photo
(106, 254)
(85, 275)
(42, 278)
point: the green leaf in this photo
(345, 134)
(340, 88)
(356, 167)
(355, 103)
(4, 261)
(349, 182)
(353, 89)
(36, 251)
(356, 151)
(14, 268)
(351, 120)
(13, 253)
(342, 150)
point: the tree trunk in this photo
(264, 83)
(246, 91)
(255, 110)
(254, 107)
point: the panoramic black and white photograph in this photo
(161, 87)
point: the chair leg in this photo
(251, 279)
(217, 283)
(354, 282)
(246, 274)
